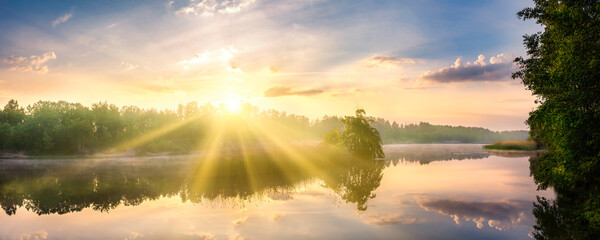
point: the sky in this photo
(443, 62)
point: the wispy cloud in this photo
(30, 64)
(208, 8)
(223, 54)
(235, 69)
(287, 91)
(62, 19)
(498, 69)
(273, 70)
(128, 65)
(378, 61)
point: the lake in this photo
(419, 191)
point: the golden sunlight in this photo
(233, 104)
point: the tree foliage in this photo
(563, 71)
(358, 137)
(61, 127)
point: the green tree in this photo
(12, 114)
(6, 136)
(563, 71)
(359, 137)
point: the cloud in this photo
(390, 219)
(39, 235)
(503, 216)
(208, 8)
(379, 61)
(223, 54)
(240, 221)
(62, 19)
(30, 64)
(287, 91)
(499, 68)
(128, 65)
(273, 70)
(234, 69)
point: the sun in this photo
(233, 104)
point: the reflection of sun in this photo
(233, 104)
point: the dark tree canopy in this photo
(563, 70)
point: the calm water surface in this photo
(419, 192)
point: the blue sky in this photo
(397, 59)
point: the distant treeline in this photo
(71, 128)
(427, 133)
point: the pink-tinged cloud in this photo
(499, 68)
(30, 64)
(378, 61)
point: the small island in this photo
(513, 145)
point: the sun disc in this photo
(233, 104)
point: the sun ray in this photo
(151, 135)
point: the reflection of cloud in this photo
(287, 91)
(30, 64)
(39, 235)
(390, 219)
(62, 19)
(201, 236)
(503, 216)
(134, 235)
(236, 236)
(311, 193)
(378, 61)
(240, 220)
(277, 216)
(280, 196)
(498, 69)
(208, 8)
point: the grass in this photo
(524, 145)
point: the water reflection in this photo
(69, 186)
(268, 194)
(427, 153)
(564, 217)
(501, 215)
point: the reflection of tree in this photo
(69, 186)
(562, 218)
(356, 182)
(568, 216)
